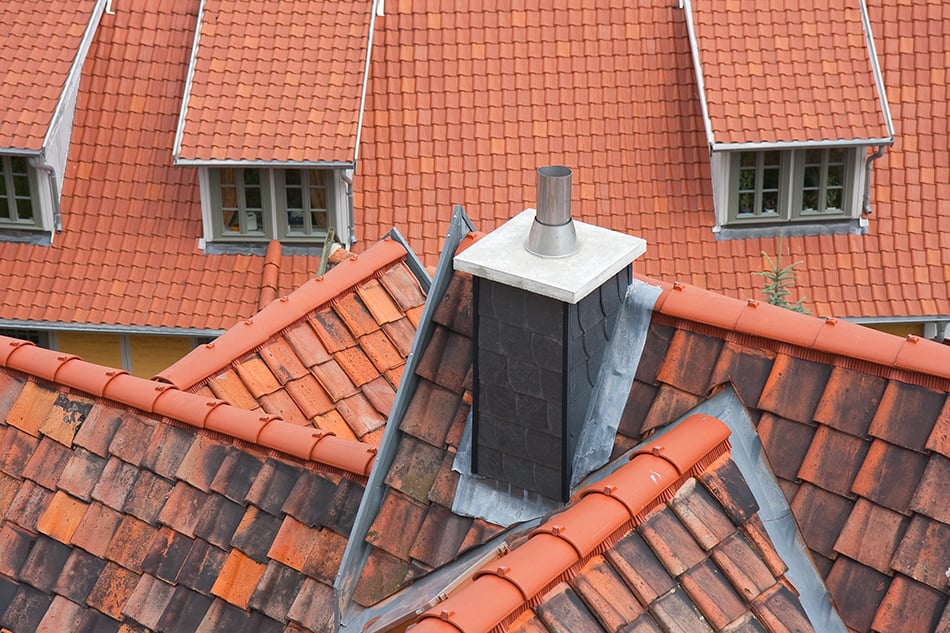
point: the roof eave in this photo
(780, 145)
(204, 162)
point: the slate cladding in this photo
(536, 364)
(112, 520)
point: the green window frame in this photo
(19, 202)
(241, 203)
(305, 203)
(784, 186)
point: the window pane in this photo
(813, 157)
(833, 199)
(318, 220)
(835, 175)
(255, 222)
(318, 198)
(747, 159)
(24, 208)
(747, 180)
(770, 202)
(810, 200)
(229, 197)
(772, 159)
(252, 198)
(227, 177)
(4, 209)
(770, 178)
(21, 185)
(294, 197)
(231, 221)
(836, 156)
(18, 165)
(3, 181)
(292, 177)
(746, 203)
(295, 221)
(812, 176)
(252, 177)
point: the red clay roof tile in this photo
(871, 535)
(889, 422)
(266, 117)
(889, 475)
(238, 579)
(833, 460)
(921, 552)
(909, 606)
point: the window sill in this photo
(35, 236)
(799, 228)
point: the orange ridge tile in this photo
(832, 336)
(568, 539)
(208, 359)
(194, 410)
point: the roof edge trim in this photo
(749, 147)
(876, 69)
(189, 78)
(621, 501)
(687, 7)
(203, 361)
(107, 328)
(374, 10)
(207, 162)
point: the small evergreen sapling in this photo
(778, 280)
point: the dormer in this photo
(44, 52)
(271, 119)
(794, 111)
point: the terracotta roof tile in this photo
(909, 606)
(238, 579)
(325, 54)
(821, 515)
(671, 542)
(605, 593)
(920, 554)
(96, 529)
(324, 558)
(833, 460)
(850, 390)
(858, 592)
(871, 535)
(791, 438)
(889, 475)
(35, 89)
(166, 554)
(740, 51)
(932, 492)
(926, 405)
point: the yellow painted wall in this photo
(152, 354)
(900, 329)
(102, 349)
(149, 354)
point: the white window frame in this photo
(725, 172)
(274, 202)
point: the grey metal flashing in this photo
(189, 78)
(494, 501)
(35, 237)
(356, 551)
(924, 318)
(309, 164)
(377, 4)
(780, 524)
(779, 145)
(615, 380)
(413, 261)
(687, 7)
(106, 328)
(876, 70)
(314, 249)
(19, 151)
(852, 226)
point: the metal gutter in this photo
(179, 132)
(698, 67)
(105, 328)
(897, 319)
(866, 203)
(204, 162)
(42, 165)
(19, 151)
(376, 9)
(751, 147)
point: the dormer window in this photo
(254, 204)
(19, 206)
(789, 186)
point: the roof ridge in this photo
(268, 431)
(564, 543)
(821, 334)
(203, 361)
(270, 274)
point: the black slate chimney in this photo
(547, 293)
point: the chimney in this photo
(547, 292)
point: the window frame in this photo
(217, 209)
(6, 172)
(791, 187)
(306, 185)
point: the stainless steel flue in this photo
(552, 233)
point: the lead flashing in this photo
(501, 256)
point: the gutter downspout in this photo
(351, 219)
(54, 191)
(867, 177)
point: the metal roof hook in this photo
(552, 233)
